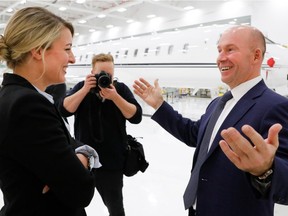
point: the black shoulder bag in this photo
(134, 157)
(134, 153)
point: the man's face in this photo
(236, 57)
(108, 67)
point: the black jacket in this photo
(99, 124)
(36, 150)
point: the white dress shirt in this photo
(237, 92)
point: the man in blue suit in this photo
(245, 174)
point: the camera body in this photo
(103, 80)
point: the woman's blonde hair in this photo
(29, 28)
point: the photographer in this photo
(100, 107)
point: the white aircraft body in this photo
(180, 59)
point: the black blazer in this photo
(224, 189)
(36, 150)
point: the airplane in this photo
(183, 58)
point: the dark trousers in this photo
(192, 212)
(109, 185)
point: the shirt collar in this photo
(46, 95)
(243, 88)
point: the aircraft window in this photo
(157, 50)
(117, 54)
(170, 49)
(185, 48)
(146, 51)
(126, 53)
(135, 52)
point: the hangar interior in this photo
(159, 190)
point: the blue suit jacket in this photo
(224, 189)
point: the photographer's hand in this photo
(90, 82)
(109, 93)
(126, 108)
(72, 102)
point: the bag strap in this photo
(122, 129)
(91, 128)
(99, 119)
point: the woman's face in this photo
(57, 58)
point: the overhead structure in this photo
(86, 15)
(91, 15)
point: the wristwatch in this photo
(262, 183)
(266, 176)
(90, 162)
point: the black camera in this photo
(103, 80)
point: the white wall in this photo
(271, 18)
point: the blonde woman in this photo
(40, 174)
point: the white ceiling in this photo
(91, 9)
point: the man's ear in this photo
(258, 54)
(37, 54)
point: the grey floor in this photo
(159, 191)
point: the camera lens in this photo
(104, 81)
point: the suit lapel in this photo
(240, 109)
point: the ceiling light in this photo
(80, 1)
(9, 10)
(82, 21)
(101, 16)
(62, 8)
(129, 21)
(92, 30)
(109, 26)
(151, 16)
(188, 8)
(121, 9)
